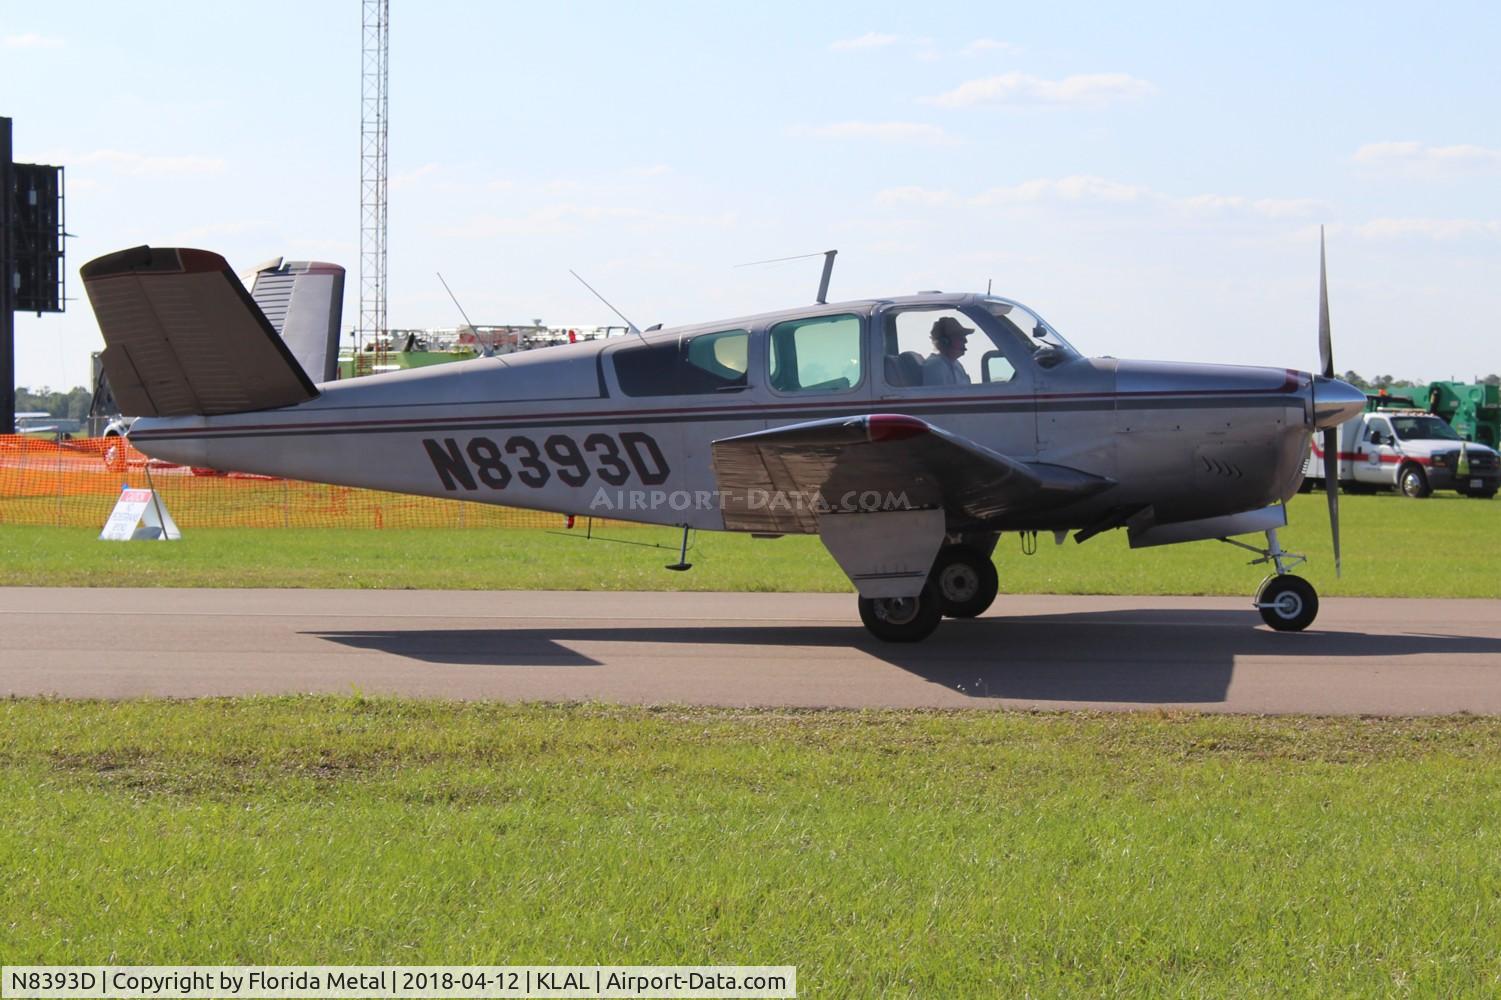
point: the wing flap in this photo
(783, 479)
(183, 336)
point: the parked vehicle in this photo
(1411, 451)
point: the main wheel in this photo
(901, 619)
(964, 580)
(1287, 603)
(1412, 482)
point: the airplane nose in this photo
(1334, 402)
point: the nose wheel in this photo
(1286, 602)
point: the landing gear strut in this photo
(1287, 603)
(965, 581)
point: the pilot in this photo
(942, 367)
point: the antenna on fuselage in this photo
(823, 281)
(634, 328)
(472, 328)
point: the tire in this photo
(1482, 494)
(964, 581)
(1287, 603)
(901, 619)
(1413, 482)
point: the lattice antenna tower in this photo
(374, 89)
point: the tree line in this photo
(71, 405)
(1389, 382)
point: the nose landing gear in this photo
(1287, 603)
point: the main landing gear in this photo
(1287, 603)
(961, 584)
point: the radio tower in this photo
(375, 79)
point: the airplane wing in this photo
(780, 480)
(182, 336)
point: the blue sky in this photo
(1150, 178)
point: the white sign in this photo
(143, 508)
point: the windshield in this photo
(1419, 428)
(1047, 345)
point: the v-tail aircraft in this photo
(907, 432)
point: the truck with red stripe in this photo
(1410, 451)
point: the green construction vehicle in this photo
(1473, 410)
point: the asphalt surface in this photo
(1363, 656)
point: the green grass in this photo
(885, 853)
(1446, 546)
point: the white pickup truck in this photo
(1410, 451)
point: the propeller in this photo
(1331, 434)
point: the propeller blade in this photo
(1326, 344)
(1331, 487)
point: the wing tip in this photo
(894, 427)
(146, 259)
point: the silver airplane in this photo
(908, 433)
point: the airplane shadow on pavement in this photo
(1140, 656)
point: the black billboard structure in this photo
(32, 275)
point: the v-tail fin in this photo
(183, 337)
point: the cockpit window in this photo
(943, 346)
(1048, 347)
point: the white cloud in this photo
(1077, 188)
(1428, 159)
(980, 45)
(912, 195)
(409, 177)
(1271, 208)
(219, 230)
(1080, 188)
(1432, 229)
(907, 132)
(31, 40)
(577, 217)
(1024, 89)
(139, 163)
(869, 40)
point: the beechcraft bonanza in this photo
(908, 433)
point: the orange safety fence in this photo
(75, 483)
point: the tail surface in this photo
(183, 337)
(303, 300)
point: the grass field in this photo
(1446, 546)
(956, 854)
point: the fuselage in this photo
(623, 428)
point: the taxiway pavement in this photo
(1362, 656)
